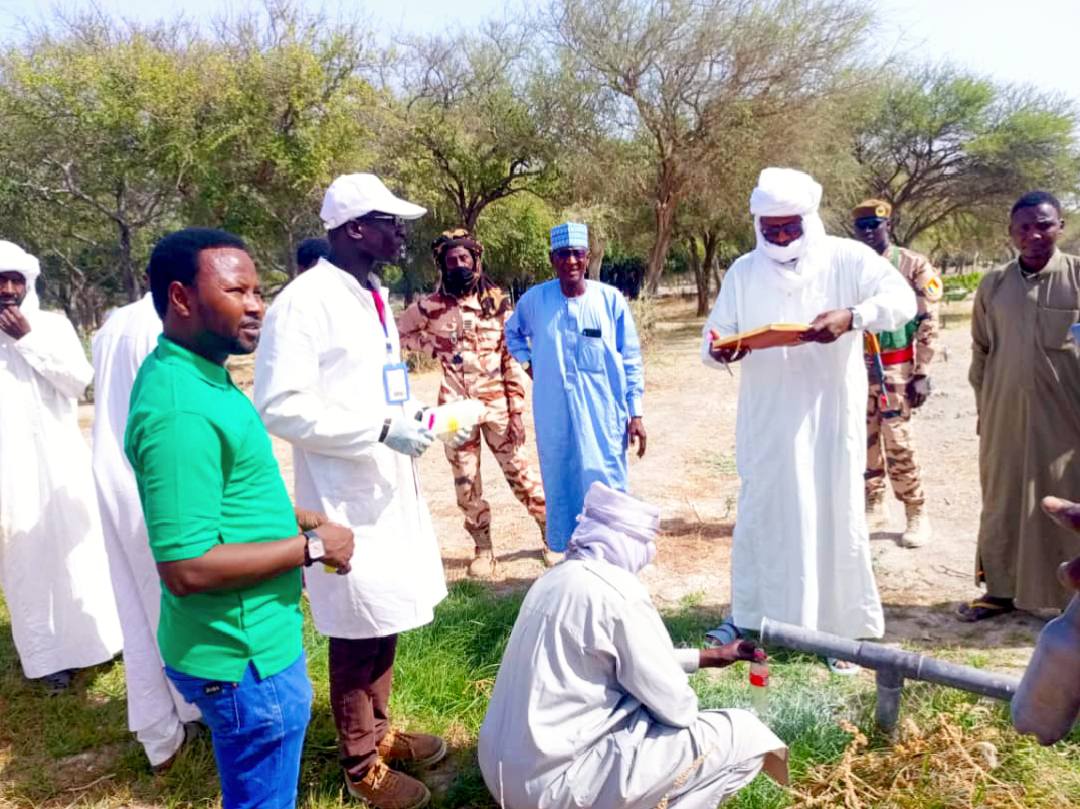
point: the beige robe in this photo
(1025, 369)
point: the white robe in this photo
(119, 348)
(319, 386)
(52, 556)
(801, 551)
(592, 707)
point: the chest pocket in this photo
(590, 353)
(1054, 328)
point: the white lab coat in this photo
(119, 347)
(592, 706)
(52, 556)
(801, 551)
(319, 386)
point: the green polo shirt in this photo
(207, 475)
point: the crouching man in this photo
(592, 705)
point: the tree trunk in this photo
(665, 225)
(597, 246)
(709, 240)
(132, 287)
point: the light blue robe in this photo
(588, 383)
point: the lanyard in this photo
(380, 308)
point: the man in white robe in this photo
(52, 556)
(592, 705)
(801, 551)
(156, 712)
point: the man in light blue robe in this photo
(576, 339)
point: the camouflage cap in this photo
(455, 237)
(877, 208)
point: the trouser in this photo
(257, 726)
(890, 445)
(361, 674)
(516, 468)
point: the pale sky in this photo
(1006, 39)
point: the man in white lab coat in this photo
(52, 556)
(801, 551)
(156, 712)
(592, 705)
(329, 380)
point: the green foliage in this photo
(965, 283)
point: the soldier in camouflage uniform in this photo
(461, 324)
(900, 359)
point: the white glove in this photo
(408, 436)
(459, 438)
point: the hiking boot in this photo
(917, 532)
(483, 564)
(877, 518)
(383, 788)
(421, 749)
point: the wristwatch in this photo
(856, 319)
(314, 550)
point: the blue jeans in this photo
(257, 726)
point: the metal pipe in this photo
(875, 656)
(890, 684)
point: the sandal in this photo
(842, 668)
(982, 608)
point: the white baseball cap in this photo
(354, 195)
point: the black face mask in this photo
(459, 281)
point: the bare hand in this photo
(726, 355)
(309, 520)
(515, 430)
(918, 390)
(1064, 512)
(636, 431)
(828, 326)
(338, 546)
(722, 656)
(13, 322)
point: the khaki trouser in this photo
(516, 468)
(890, 445)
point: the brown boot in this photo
(383, 788)
(483, 565)
(421, 749)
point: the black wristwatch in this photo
(314, 550)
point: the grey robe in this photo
(1025, 369)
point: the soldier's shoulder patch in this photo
(933, 289)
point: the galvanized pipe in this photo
(897, 663)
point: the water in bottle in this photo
(759, 687)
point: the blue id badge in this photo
(395, 377)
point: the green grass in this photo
(443, 679)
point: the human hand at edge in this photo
(515, 429)
(635, 431)
(828, 326)
(722, 656)
(337, 546)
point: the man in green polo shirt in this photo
(222, 529)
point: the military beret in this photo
(878, 208)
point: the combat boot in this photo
(483, 564)
(917, 532)
(877, 518)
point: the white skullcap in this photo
(615, 527)
(14, 259)
(785, 192)
(354, 195)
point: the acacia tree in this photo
(101, 130)
(683, 71)
(470, 127)
(942, 145)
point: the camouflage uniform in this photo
(471, 349)
(890, 444)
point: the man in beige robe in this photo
(1025, 369)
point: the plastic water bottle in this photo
(759, 687)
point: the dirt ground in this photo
(689, 471)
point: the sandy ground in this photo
(689, 471)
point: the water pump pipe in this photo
(891, 667)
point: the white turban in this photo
(14, 259)
(787, 192)
(616, 528)
(784, 192)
